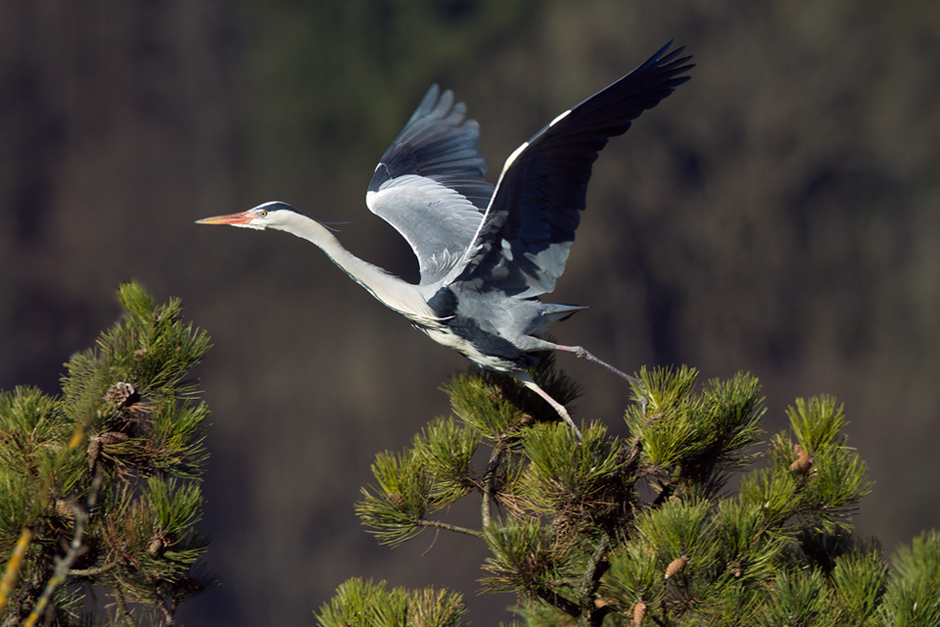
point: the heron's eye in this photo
(262, 214)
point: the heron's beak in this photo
(236, 219)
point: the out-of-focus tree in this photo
(99, 486)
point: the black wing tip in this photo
(661, 56)
(679, 80)
(436, 102)
(669, 61)
(669, 65)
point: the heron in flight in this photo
(485, 253)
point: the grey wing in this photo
(429, 184)
(523, 242)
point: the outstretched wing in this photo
(429, 184)
(522, 245)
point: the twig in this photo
(91, 572)
(122, 607)
(12, 572)
(591, 580)
(167, 613)
(488, 476)
(424, 522)
(596, 567)
(75, 549)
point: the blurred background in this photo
(777, 214)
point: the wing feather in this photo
(522, 244)
(430, 185)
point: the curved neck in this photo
(387, 288)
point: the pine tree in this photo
(644, 530)
(99, 486)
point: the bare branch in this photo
(423, 522)
(76, 547)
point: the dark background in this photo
(777, 214)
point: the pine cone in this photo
(122, 394)
(156, 546)
(676, 566)
(94, 450)
(803, 461)
(113, 437)
(639, 613)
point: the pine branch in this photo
(92, 572)
(125, 438)
(641, 531)
(122, 607)
(553, 598)
(75, 548)
(437, 524)
(489, 478)
(595, 568)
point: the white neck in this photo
(387, 288)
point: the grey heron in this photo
(485, 253)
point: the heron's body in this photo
(492, 331)
(495, 333)
(485, 253)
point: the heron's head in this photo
(268, 215)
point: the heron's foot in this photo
(527, 381)
(581, 353)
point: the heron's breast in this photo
(486, 350)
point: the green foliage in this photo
(579, 474)
(698, 437)
(858, 582)
(826, 492)
(523, 557)
(395, 508)
(110, 467)
(797, 596)
(482, 404)
(640, 530)
(445, 449)
(913, 596)
(359, 602)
